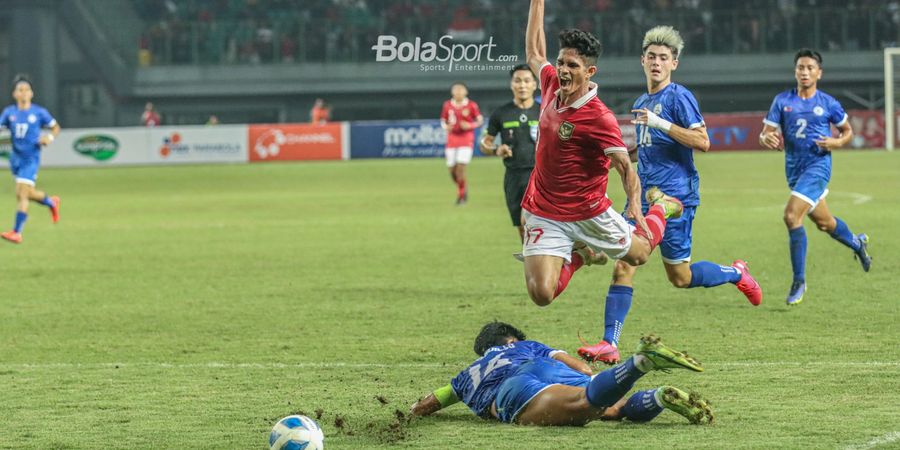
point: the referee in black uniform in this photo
(515, 124)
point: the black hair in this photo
(583, 42)
(495, 333)
(808, 53)
(520, 67)
(459, 83)
(21, 78)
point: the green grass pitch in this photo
(191, 307)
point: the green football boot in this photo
(665, 358)
(671, 205)
(691, 406)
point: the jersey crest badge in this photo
(523, 118)
(818, 111)
(657, 109)
(565, 130)
(32, 118)
(465, 112)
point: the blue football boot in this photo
(863, 253)
(796, 295)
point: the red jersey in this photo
(571, 163)
(454, 114)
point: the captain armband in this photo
(445, 396)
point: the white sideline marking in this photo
(341, 365)
(888, 438)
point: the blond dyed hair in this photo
(664, 35)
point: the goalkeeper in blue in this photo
(799, 122)
(669, 129)
(527, 383)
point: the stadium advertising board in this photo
(296, 142)
(199, 144)
(407, 139)
(97, 147)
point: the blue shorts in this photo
(675, 247)
(811, 187)
(24, 168)
(529, 380)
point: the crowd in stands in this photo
(285, 31)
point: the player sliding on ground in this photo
(25, 121)
(578, 140)
(802, 119)
(669, 129)
(527, 383)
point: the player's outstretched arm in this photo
(573, 363)
(830, 143)
(769, 138)
(535, 41)
(434, 402)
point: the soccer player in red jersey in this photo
(460, 117)
(566, 207)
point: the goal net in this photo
(891, 98)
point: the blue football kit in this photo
(802, 122)
(807, 167)
(25, 129)
(669, 165)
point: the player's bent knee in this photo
(792, 220)
(541, 297)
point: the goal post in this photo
(891, 55)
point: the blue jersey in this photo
(477, 385)
(801, 122)
(25, 127)
(663, 161)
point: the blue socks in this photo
(618, 302)
(798, 252)
(843, 235)
(46, 201)
(607, 387)
(20, 221)
(642, 406)
(707, 274)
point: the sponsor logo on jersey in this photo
(565, 130)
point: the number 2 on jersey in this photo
(494, 363)
(800, 131)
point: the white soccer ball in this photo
(296, 433)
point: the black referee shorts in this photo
(514, 184)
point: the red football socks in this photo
(656, 222)
(565, 274)
(461, 187)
